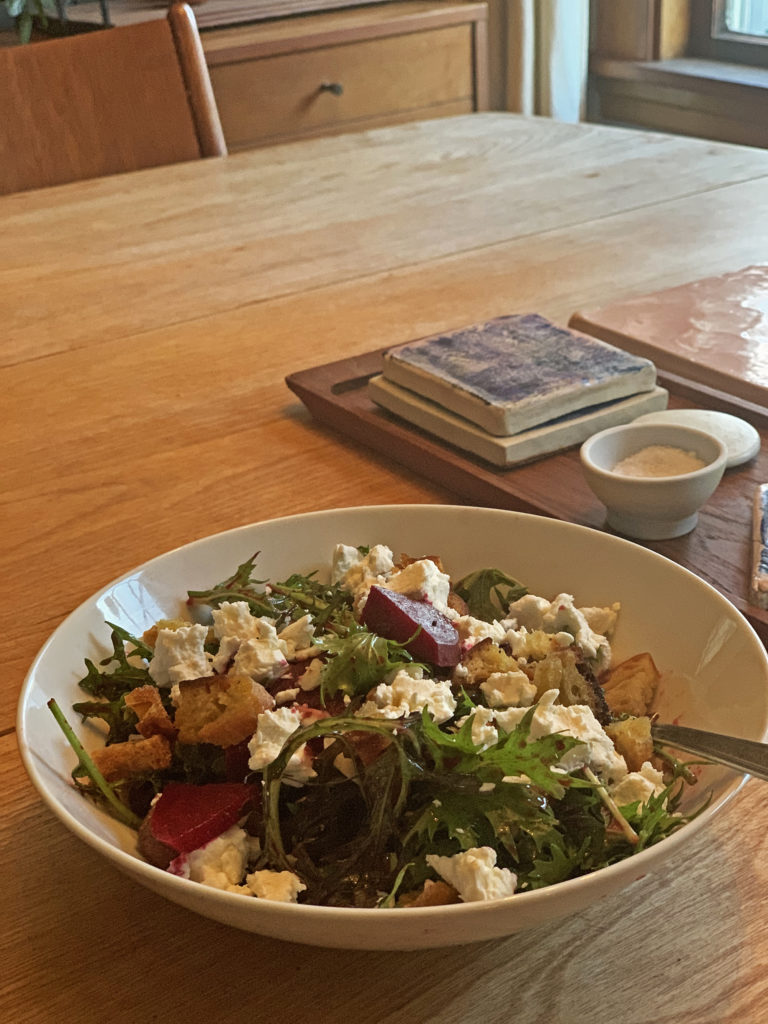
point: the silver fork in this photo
(743, 755)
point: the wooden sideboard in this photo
(348, 69)
(322, 72)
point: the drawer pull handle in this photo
(335, 87)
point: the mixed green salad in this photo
(389, 738)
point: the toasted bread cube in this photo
(432, 894)
(134, 757)
(632, 739)
(146, 704)
(560, 671)
(631, 686)
(223, 710)
(482, 660)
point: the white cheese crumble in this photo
(251, 644)
(234, 618)
(296, 636)
(358, 573)
(280, 886)
(474, 875)
(180, 655)
(422, 581)
(561, 615)
(508, 689)
(525, 643)
(274, 728)
(287, 696)
(471, 630)
(596, 749)
(262, 660)
(310, 678)
(405, 694)
(638, 786)
(484, 733)
(221, 863)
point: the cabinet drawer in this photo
(381, 80)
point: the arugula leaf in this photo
(489, 593)
(86, 767)
(284, 601)
(358, 661)
(514, 754)
(240, 586)
(120, 719)
(119, 672)
(337, 836)
(328, 603)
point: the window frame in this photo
(710, 39)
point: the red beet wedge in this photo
(187, 817)
(398, 617)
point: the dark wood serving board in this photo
(719, 550)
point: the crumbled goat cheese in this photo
(227, 650)
(405, 694)
(221, 863)
(287, 696)
(297, 636)
(234, 618)
(262, 660)
(310, 678)
(471, 630)
(422, 581)
(526, 644)
(250, 643)
(273, 729)
(358, 573)
(280, 886)
(596, 749)
(561, 615)
(474, 875)
(638, 786)
(180, 654)
(484, 733)
(508, 689)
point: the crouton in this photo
(482, 660)
(432, 894)
(631, 686)
(561, 670)
(154, 720)
(632, 739)
(223, 710)
(134, 757)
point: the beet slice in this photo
(187, 817)
(398, 617)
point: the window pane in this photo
(747, 17)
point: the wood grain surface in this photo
(149, 322)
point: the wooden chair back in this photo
(106, 101)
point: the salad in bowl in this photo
(364, 716)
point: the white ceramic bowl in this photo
(652, 507)
(720, 683)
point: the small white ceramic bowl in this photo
(652, 507)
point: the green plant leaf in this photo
(489, 593)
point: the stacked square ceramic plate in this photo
(515, 388)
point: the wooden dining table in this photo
(149, 322)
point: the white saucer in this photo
(740, 438)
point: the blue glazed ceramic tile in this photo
(515, 372)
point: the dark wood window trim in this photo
(643, 73)
(709, 39)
